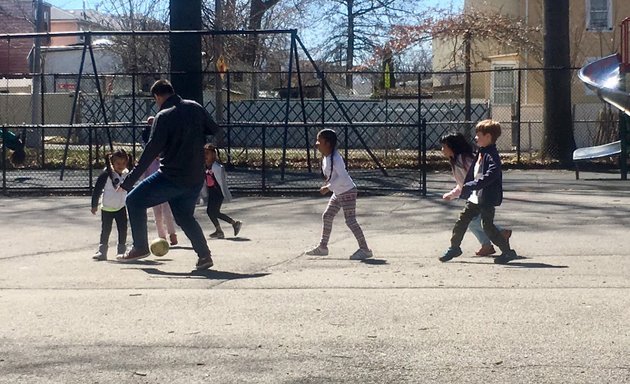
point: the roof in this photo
(79, 15)
(61, 14)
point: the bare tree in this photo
(144, 55)
(510, 34)
(358, 27)
(253, 52)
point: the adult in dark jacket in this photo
(483, 189)
(178, 136)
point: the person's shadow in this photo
(235, 239)
(374, 261)
(519, 264)
(207, 274)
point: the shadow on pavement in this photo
(208, 274)
(138, 262)
(533, 265)
(374, 261)
(518, 264)
(181, 247)
(237, 239)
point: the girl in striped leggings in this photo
(344, 196)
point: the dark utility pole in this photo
(186, 49)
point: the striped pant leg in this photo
(349, 204)
(327, 219)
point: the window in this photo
(598, 15)
(504, 84)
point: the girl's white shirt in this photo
(460, 170)
(474, 196)
(112, 199)
(340, 181)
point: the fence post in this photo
(518, 117)
(287, 111)
(264, 161)
(42, 115)
(424, 156)
(419, 89)
(4, 162)
(133, 112)
(90, 158)
(323, 91)
(229, 118)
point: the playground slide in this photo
(603, 77)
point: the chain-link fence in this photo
(86, 99)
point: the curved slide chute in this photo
(604, 78)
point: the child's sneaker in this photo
(486, 250)
(361, 254)
(317, 251)
(237, 227)
(101, 254)
(173, 238)
(217, 235)
(450, 254)
(506, 257)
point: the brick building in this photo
(18, 16)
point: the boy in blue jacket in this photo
(483, 189)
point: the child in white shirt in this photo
(344, 196)
(113, 203)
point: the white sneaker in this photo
(361, 254)
(317, 251)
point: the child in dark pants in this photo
(113, 203)
(483, 189)
(216, 191)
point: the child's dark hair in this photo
(117, 154)
(331, 137)
(458, 143)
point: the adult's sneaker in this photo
(237, 227)
(361, 254)
(317, 251)
(450, 254)
(133, 254)
(506, 257)
(204, 263)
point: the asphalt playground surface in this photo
(265, 313)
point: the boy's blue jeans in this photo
(477, 230)
(157, 189)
